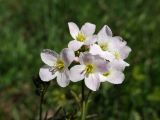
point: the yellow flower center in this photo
(89, 69)
(107, 73)
(80, 37)
(117, 55)
(104, 47)
(60, 65)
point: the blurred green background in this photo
(29, 26)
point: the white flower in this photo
(111, 48)
(112, 75)
(56, 66)
(120, 51)
(83, 36)
(89, 69)
(104, 38)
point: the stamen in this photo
(53, 70)
(117, 55)
(89, 69)
(104, 47)
(80, 37)
(59, 65)
(82, 72)
(107, 73)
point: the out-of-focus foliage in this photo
(28, 26)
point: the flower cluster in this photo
(94, 58)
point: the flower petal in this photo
(101, 64)
(67, 55)
(75, 45)
(88, 29)
(124, 52)
(108, 56)
(116, 43)
(105, 31)
(90, 40)
(115, 77)
(119, 64)
(95, 50)
(77, 73)
(86, 58)
(73, 28)
(45, 73)
(63, 78)
(49, 57)
(120, 39)
(92, 82)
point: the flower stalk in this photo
(84, 102)
(41, 106)
(83, 112)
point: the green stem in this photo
(83, 102)
(83, 99)
(40, 107)
(83, 111)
